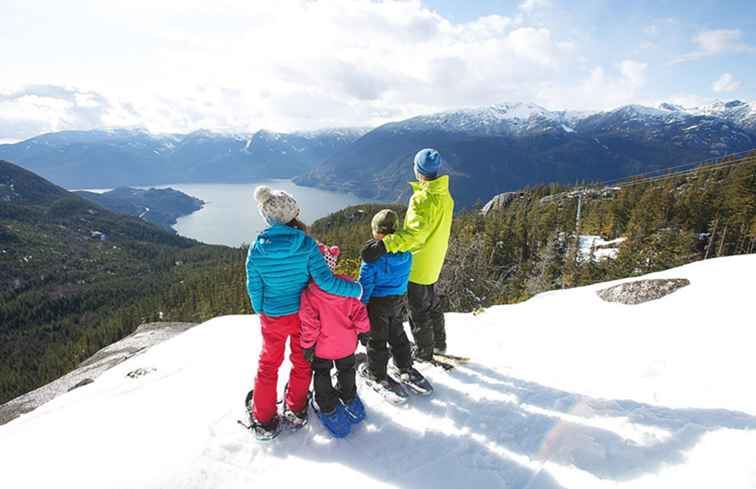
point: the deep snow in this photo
(564, 391)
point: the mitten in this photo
(309, 353)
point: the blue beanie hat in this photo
(428, 162)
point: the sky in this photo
(286, 65)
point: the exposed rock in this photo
(84, 382)
(499, 202)
(140, 340)
(641, 291)
(140, 372)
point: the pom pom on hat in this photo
(331, 255)
(262, 194)
(428, 162)
(276, 206)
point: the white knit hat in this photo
(276, 206)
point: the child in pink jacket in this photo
(330, 326)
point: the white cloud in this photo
(601, 89)
(715, 42)
(236, 65)
(726, 83)
(291, 64)
(43, 108)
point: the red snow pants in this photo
(275, 331)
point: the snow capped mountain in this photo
(527, 118)
(564, 391)
(500, 119)
(734, 111)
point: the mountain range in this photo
(486, 150)
(121, 157)
(510, 146)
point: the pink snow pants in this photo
(275, 331)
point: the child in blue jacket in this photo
(384, 283)
(280, 263)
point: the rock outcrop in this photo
(641, 291)
(144, 337)
(499, 202)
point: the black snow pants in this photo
(386, 317)
(426, 319)
(326, 395)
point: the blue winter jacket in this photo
(280, 263)
(388, 275)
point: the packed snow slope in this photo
(564, 391)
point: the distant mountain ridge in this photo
(486, 150)
(121, 157)
(509, 146)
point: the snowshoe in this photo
(355, 410)
(289, 422)
(388, 388)
(440, 358)
(267, 431)
(336, 422)
(448, 359)
(413, 380)
(294, 420)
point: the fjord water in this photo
(230, 215)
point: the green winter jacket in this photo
(426, 231)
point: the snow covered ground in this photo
(565, 391)
(596, 248)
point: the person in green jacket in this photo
(426, 231)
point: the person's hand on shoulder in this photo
(373, 250)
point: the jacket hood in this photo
(440, 184)
(279, 241)
(325, 296)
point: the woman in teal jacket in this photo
(280, 263)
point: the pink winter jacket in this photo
(331, 323)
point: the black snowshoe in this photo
(388, 388)
(412, 379)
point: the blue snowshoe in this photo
(336, 422)
(355, 410)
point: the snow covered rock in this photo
(499, 202)
(146, 336)
(641, 291)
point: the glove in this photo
(373, 250)
(309, 353)
(363, 337)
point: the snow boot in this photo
(336, 422)
(355, 410)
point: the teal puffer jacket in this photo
(280, 263)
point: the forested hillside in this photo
(77, 277)
(529, 244)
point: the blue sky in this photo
(237, 65)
